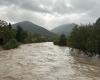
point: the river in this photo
(45, 61)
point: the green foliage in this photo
(6, 33)
(79, 37)
(21, 35)
(8, 37)
(86, 38)
(62, 41)
(29, 39)
(11, 44)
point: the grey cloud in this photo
(59, 11)
(90, 6)
(56, 6)
(26, 4)
(34, 5)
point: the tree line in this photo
(85, 38)
(12, 38)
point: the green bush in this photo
(11, 44)
(29, 39)
(56, 42)
(62, 41)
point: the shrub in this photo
(11, 44)
(56, 42)
(62, 41)
(29, 39)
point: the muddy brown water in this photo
(45, 61)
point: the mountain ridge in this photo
(33, 28)
(65, 29)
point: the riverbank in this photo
(1, 48)
(77, 52)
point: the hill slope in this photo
(33, 28)
(64, 29)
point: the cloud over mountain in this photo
(50, 13)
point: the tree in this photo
(21, 34)
(62, 40)
(6, 33)
(86, 38)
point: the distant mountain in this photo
(33, 28)
(64, 29)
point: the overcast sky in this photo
(50, 13)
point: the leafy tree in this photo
(62, 40)
(21, 34)
(11, 44)
(86, 38)
(6, 33)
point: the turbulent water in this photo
(45, 61)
